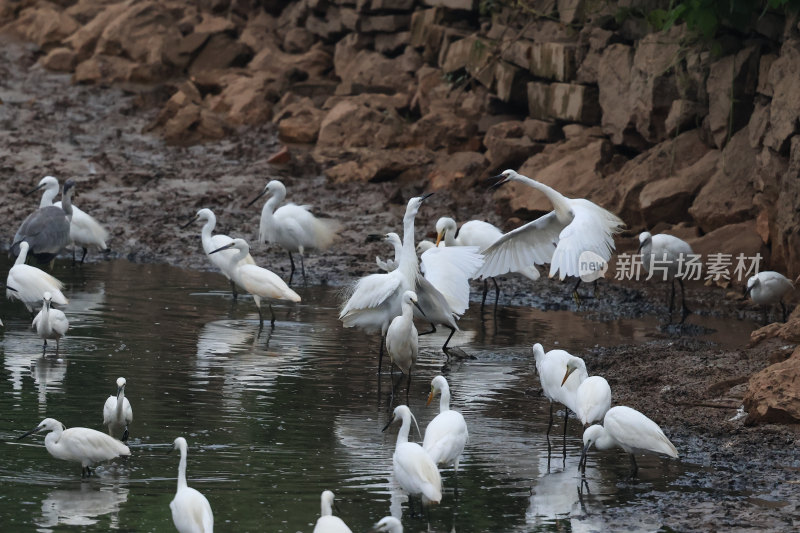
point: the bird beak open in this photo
(430, 398)
(566, 376)
(262, 193)
(33, 190)
(226, 247)
(389, 423)
(438, 239)
(501, 180)
(31, 432)
(189, 223)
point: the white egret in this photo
(575, 226)
(222, 260)
(191, 512)
(84, 230)
(443, 291)
(665, 255)
(446, 435)
(50, 323)
(560, 374)
(46, 230)
(28, 284)
(387, 524)
(592, 399)
(391, 264)
(481, 234)
(402, 340)
(117, 411)
(258, 281)
(413, 468)
(424, 246)
(327, 523)
(768, 288)
(630, 430)
(83, 445)
(292, 226)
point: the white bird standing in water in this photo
(413, 468)
(630, 430)
(222, 260)
(50, 323)
(592, 399)
(446, 435)
(575, 226)
(83, 445)
(387, 524)
(259, 282)
(327, 523)
(29, 284)
(117, 411)
(391, 264)
(481, 234)
(402, 340)
(768, 288)
(46, 230)
(191, 512)
(84, 230)
(293, 227)
(559, 383)
(665, 254)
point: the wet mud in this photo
(745, 477)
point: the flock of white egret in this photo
(432, 288)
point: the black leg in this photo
(444, 347)
(73, 256)
(303, 268)
(550, 424)
(272, 312)
(233, 291)
(485, 290)
(125, 435)
(83, 256)
(564, 445)
(783, 308)
(634, 466)
(763, 311)
(671, 298)
(575, 295)
(260, 318)
(291, 275)
(496, 293)
(408, 385)
(433, 330)
(685, 311)
(380, 359)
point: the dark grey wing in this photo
(46, 231)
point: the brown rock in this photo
(85, 39)
(784, 111)
(299, 121)
(298, 40)
(373, 72)
(733, 239)
(466, 5)
(445, 130)
(773, 395)
(221, 51)
(764, 84)
(571, 11)
(258, 33)
(102, 68)
(391, 43)
(683, 115)
(563, 101)
(614, 79)
(43, 25)
(507, 146)
(458, 167)
(362, 122)
(668, 200)
(371, 165)
(60, 59)
(244, 99)
(731, 86)
(728, 196)
(281, 157)
(785, 234)
(276, 63)
(540, 130)
(183, 121)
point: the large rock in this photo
(614, 79)
(466, 5)
(44, 25)
(85, 39)
(376, 165)
(61, 59)
(731, 87)
(315, 63)
(244, 99)
(373, 72)
(299, 121)
(108, 69)
(507, 145)
(732, 240)
(667, 200)
(184, 121)
(221, 51)
(728, 196)
(362, 122)
(446, 130)
(563, 101)
(461, 168)
(553, 61)
(784, 111)
(773, 395)
(785, 231)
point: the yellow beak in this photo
(430, 398)
(438, 239)
(569, 371)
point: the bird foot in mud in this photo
(458, 353)
(576, 298)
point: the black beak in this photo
(501, 180)
(227, 246)
(747, 290)
(68, 185)
(10, 288)
(426, 196)
(374, 237)
(189, 223)
(582, 462)
(33, 190)
(31, 432)
(262, 193)
(119, 391)
(389, 423)
(418, 307)
(336, 506)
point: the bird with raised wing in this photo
(575, 226)
(83, 445)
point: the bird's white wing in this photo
(592, 229)
(531, 244)
(415, 465)
(387, 266)
(265, 283)
(635, 432)
(108, 410)
(445, 436)
(449, 269)
(371, 291)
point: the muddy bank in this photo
(142, 190)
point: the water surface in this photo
(274, 419)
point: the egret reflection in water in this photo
(83, 506)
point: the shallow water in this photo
(272, 420)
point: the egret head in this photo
(47, 298)
(503, 177)
(48, 424)
(572, 365)
(392, 238)
(388, 524)
(424, 246)
(276, 187)
(401, 412)
(327, 501)
(538, 351)
(410, 297)
(752, 283)
(179, 444)
(443, 226)
(69, 185)
(47, 182)
(438, 384)
(239, 244)
(644, 240)
(120, 385)
(414, 203)
(590, 436)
